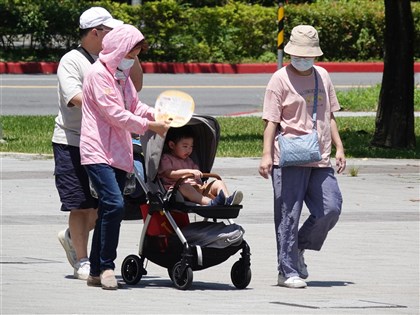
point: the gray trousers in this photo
(292, 186)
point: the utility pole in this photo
(280, 35)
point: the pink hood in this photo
(117, 44)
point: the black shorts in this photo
(71, 179)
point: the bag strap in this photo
(85, 53)
(315, 99)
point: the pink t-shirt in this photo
(171, 162)
(289, 100)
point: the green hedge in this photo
(350, 31)
(236, 32)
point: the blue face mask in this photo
(126, 64)
(302, 64)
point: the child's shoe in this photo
(235, 198)
(219, 200)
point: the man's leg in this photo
(81, 222)
(73, 187)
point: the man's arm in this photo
(136, 74)
(76, 101)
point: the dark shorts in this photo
(71, 179)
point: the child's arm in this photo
(175, 174)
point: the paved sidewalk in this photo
(369, 264)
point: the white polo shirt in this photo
(70, 74)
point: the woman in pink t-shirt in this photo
(288, 109)
(177, 163)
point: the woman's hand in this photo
(159, 127)
(340, 161)
(266, 165)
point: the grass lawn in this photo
(240, 137)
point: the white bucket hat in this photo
(96, 16)
(304, 42)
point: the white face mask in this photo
(126, 64)
(302, 64)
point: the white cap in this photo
(96, 16)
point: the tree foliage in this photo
(235, 31)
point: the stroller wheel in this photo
(132, 269)
(181, 280)
(240, 275)
(170, 269)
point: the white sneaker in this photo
(65, 240)
(292, 282)
(302, 267)
(82, 269)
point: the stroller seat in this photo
(175, 200)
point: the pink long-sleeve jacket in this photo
(111, 110)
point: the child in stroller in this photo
(176, 163)
(168, 239)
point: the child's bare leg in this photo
(233, 199)
(193, 195)
(217, 186)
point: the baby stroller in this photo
(168, 239)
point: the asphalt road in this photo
(214, 94)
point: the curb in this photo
(21, 67)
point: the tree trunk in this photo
(395, 115)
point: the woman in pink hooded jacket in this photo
(111, 112)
